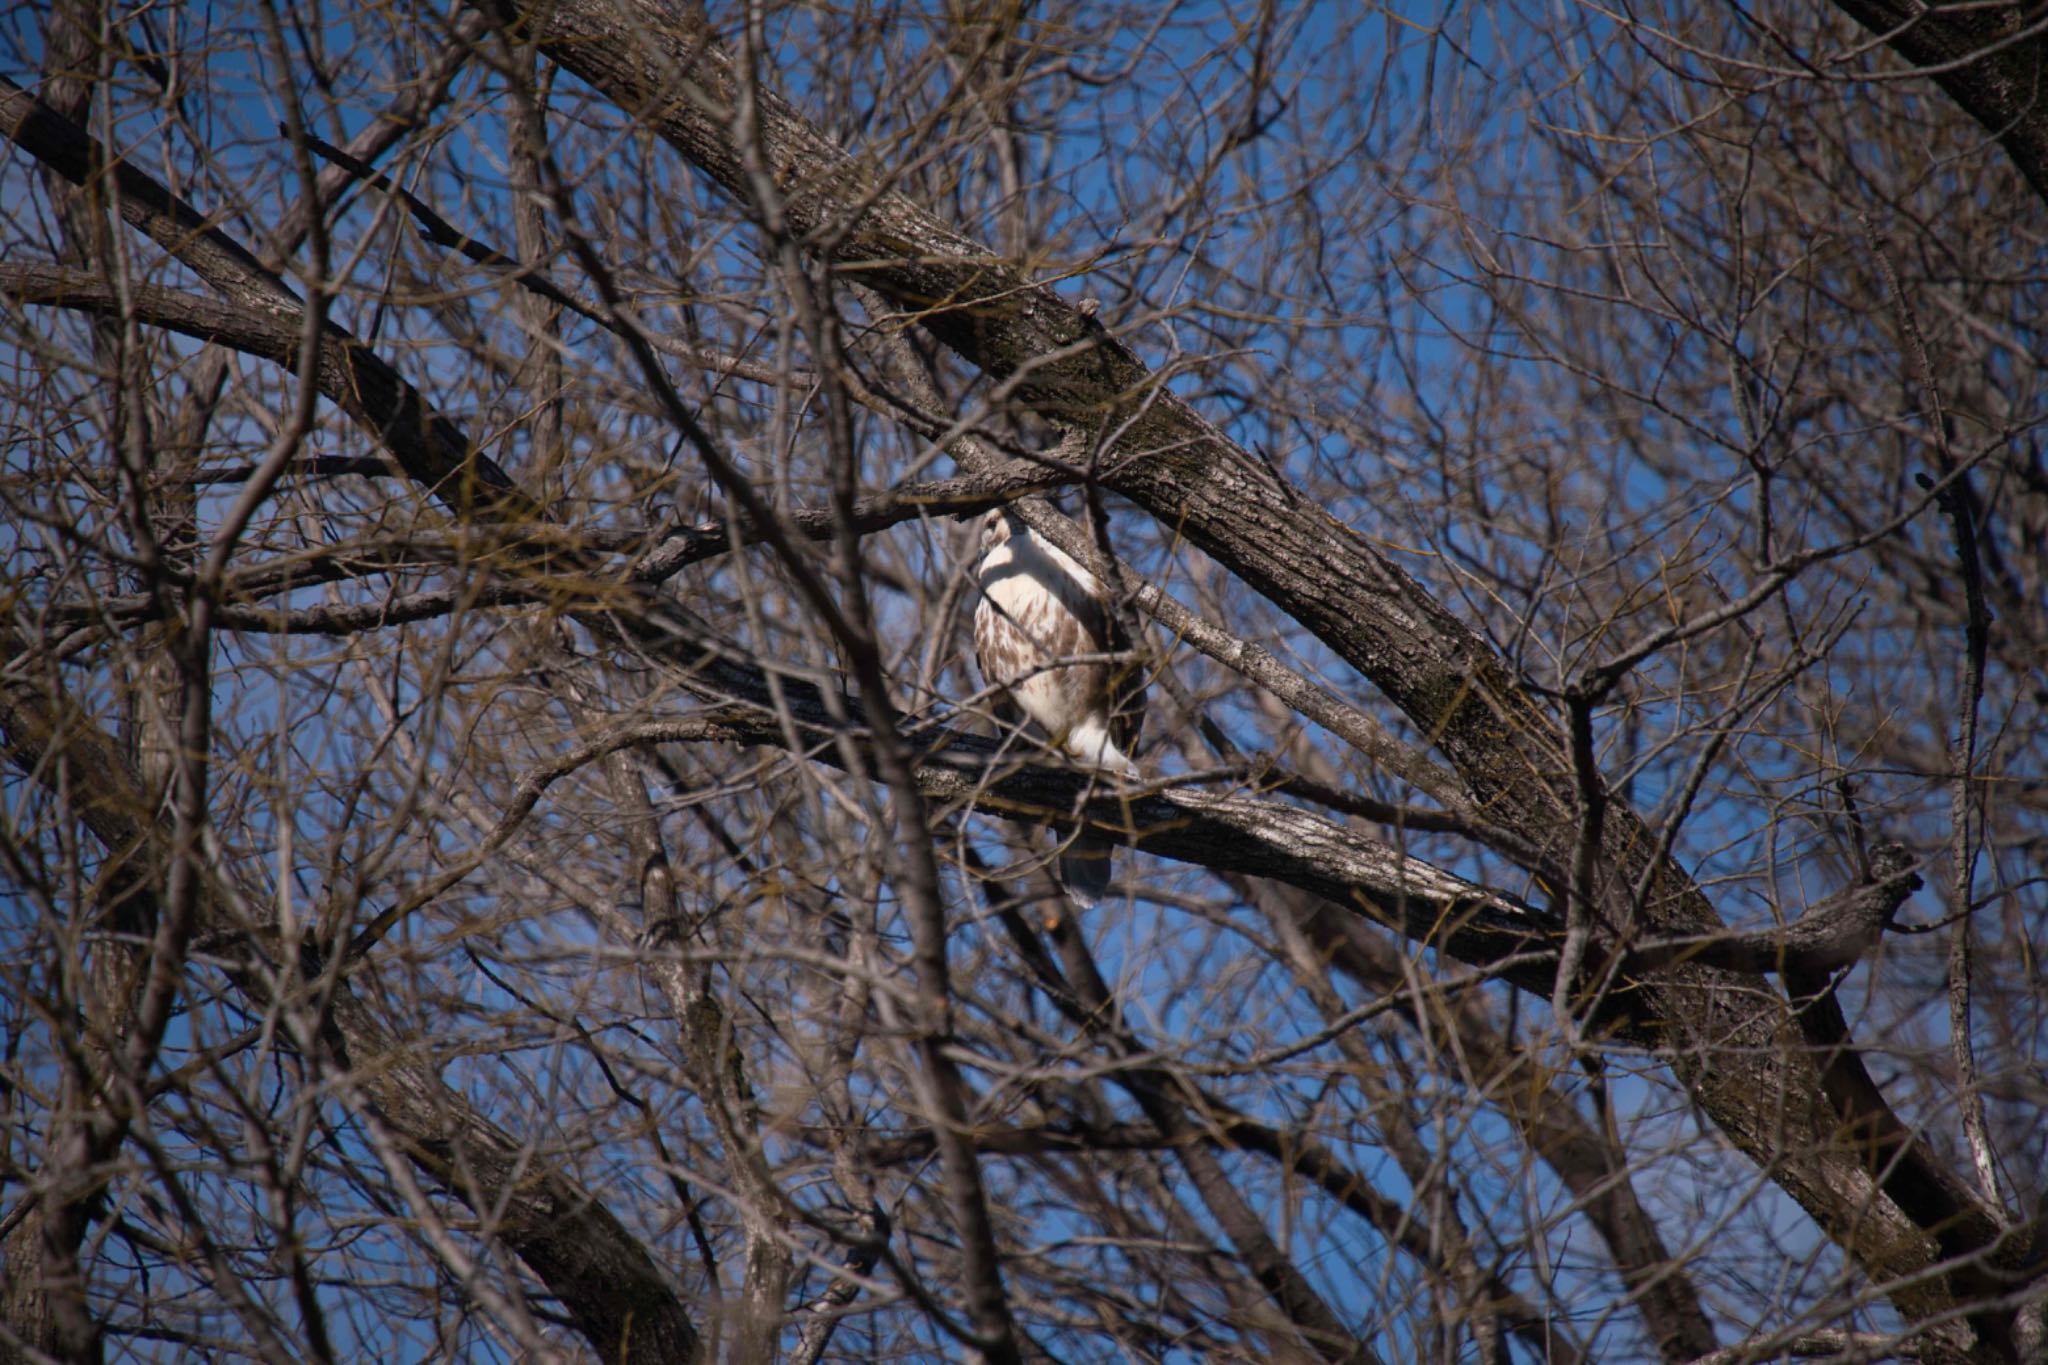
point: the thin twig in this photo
(439, 231)
(1952, 495)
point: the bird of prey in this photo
(1039, 608)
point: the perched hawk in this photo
(1038, 608)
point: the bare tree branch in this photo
(605, 1279)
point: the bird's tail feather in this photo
(1085, 869)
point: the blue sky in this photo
(1385, 105)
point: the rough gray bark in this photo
(1991, 59)
(1732, 1038)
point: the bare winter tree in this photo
(508, 853)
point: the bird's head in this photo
(995, 528)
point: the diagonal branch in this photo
(1991, 59)
(350, 373)
(1732, 1038)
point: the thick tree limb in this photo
(663, 61)
(1991, 59)
(1733, 1039)
(1248, 835)
(1835, 1345)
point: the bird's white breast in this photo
(1028, 575)
(1039, 606)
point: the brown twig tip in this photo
(1833, 933)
